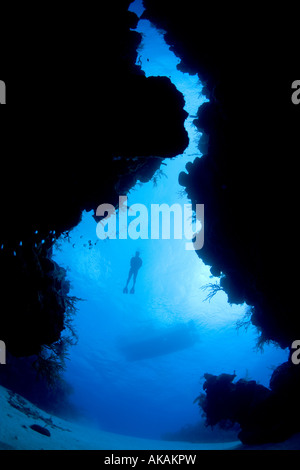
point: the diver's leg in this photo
(134, 281)
(125, 290)
(129, 277)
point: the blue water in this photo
(140, 358)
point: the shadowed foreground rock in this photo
(247, 179)
(264, 414)
(88, 126)
(98, 126)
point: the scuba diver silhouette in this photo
(135, 264)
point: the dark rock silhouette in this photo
(40, 429)
(96, 126)
(263, 414)
(247, 177)
(114, 126)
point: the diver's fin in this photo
(132, 291)
(125, 290)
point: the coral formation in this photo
(263, 414)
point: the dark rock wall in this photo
(245, 55)
(84, 124)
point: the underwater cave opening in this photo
(140, 359)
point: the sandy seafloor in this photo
(18, 414)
